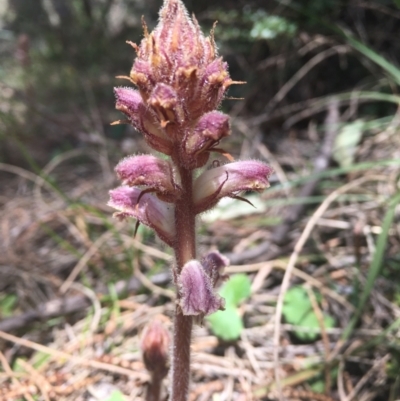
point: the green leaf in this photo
(7, 304)
(236, 289)
(297, 310)
(40, 359)
(116, 396)
(226, 324)
(310, 321)
(346, 143)
(318, 386)
(296, 305)
(270, 26)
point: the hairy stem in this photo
(185, 250)
(154, 388)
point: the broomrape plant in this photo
(180, 82)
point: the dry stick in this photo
(293, 259)
(29, 176)
(366, 377)
(84, 260)
(147, 283)
(324, 335)
(7, 369)
(84, 361)
(40, 381)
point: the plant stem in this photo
(185, 250)
(154, 388)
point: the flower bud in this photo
(131, 104)
(196, 290)
(146, 208)
(164, 101)
(155, 346)
(210, 129)
(151, 172)
(229, 180)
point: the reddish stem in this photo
(185, 250)
(154, 388)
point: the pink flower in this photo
(197, 292)
(150, 171)
(180, 78)
(229, 180)
(209, 130)
(143, 119)
(147, 209)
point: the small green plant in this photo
(228, 324)
(346, 143)
(7, 305)
(298, 310)
(267, 26)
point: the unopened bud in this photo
(155, 346)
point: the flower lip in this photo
(229, 180)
